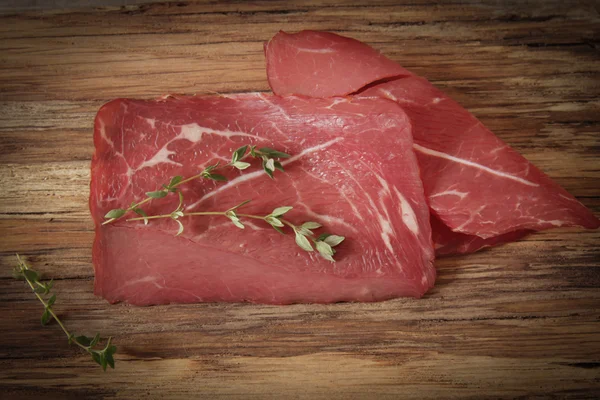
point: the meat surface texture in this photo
(481, 191)
(322, 64)
(346, 155)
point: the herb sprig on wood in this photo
(103, 355)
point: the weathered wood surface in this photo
(521, 320)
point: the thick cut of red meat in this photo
(322, 64)
(482, 190)
(352, 169)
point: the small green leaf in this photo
(279, 166)
(51, 300)
(267, 170)
(40, 289)
(328, 257)
(236, 222)
(116, 213)
(278, 229)
(110, 349)
(180, 230)
(270, 164)
(334, 240)
(96, 357)
(109, 358)
(275, 222)
(253, 151)
(216, 177)
(207, 170)
(304, 231)
(177, 214)
(103, 361)
(174, 181)
(159, 194)
(142, 214)
(279, 211)
(46, 317)
(273, 153)
(43, 288)
(234, 218)
(84, 340)
(241, 165)
(31, 275)
(324, 248)
(311, 225)
(17, 273)
(238, 154)
(303, 242)
(95, 340)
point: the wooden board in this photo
(520, 320)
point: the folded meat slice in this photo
(482, 190)
(449, 243)
(323, 64)
(343, 173)
(475, 183)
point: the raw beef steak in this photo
(352, 169)
(482, 190)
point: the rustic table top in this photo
(521, 320)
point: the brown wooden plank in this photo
(520, 320)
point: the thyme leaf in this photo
(333, 240)
(159, 194)
(238, 154)
(174, 182)
(279, 211)
(142, 213)
(116, 213)
(311, 225)
(303, 242)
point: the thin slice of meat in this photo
(475, 183)
(322, 64)
(342, 174)
(479, 187)
(448, 243)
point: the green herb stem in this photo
(103, 357)
(221, 213)
(23, 266)
(304, 234)
(148, 199)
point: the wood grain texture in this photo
(518, 321)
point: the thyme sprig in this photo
(304, 235)
(103, 356)
(269, 165)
